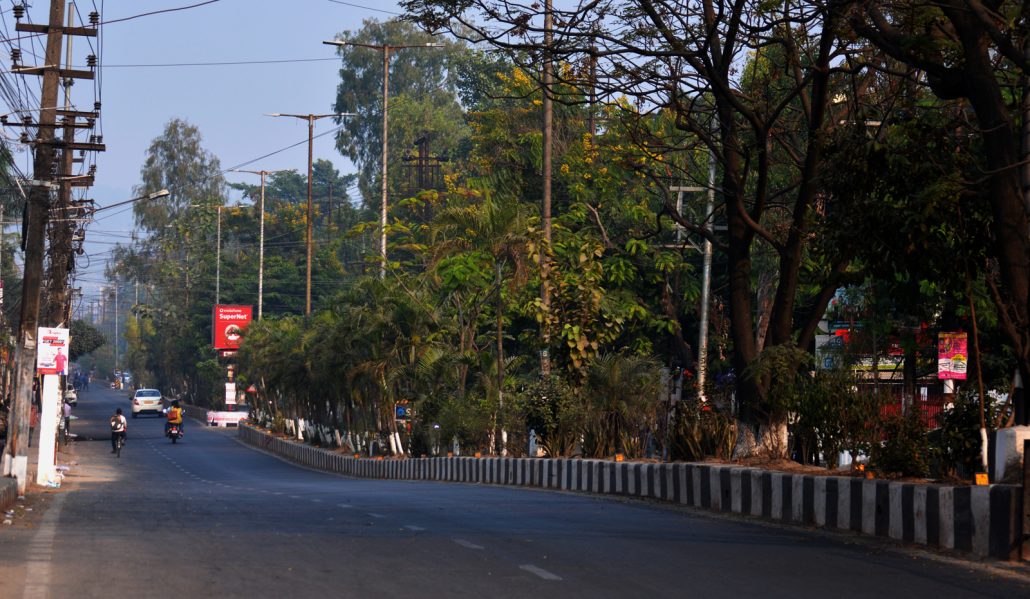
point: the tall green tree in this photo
(425, 77)
(177, 161)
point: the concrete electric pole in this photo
(385, 49)
(261, 238)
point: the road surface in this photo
(209, 517)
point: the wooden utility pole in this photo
(310, 118)
(15, 458)
(545, 209)
(65, 215)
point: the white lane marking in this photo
(344, 505)
(539, 572)
(316, 501)
(294, 497)
(376, 515)
(414, 528)
(467, 544)
(37, 571)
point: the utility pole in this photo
(545, 209)
(218, 255)
(261, 237)
(706, 282)
(385, 49)
(116, 323)
(310, 118)
(15, 458)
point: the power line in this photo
(218, 63)
(157, 12)
(351, 4)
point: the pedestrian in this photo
(33, 421)
(67, 412)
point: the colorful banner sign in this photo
(52, 351)
(952, 356)
(228, 325)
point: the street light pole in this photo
(385, 49)
(310, 118)
(261, 238)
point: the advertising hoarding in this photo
(952, 356)
(229, 324)
(52, 351)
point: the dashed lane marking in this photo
(376, 515)
(414, 528)
(539, 572)
(467, 544)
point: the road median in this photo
(984, 521)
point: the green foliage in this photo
(622, 397)
(210, 388)
(699, 432)
(782, 366)
(423, 75)
(85, 338)
(176, 161)
(957, 441)
(905, 450)
(552, 408)
(831, 415)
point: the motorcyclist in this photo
(174, 417)
(118, 427)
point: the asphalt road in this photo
(209, 517)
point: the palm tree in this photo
(500, 229)
(622, 393)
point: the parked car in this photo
(146, 400)
(70, 395)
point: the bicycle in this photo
(118, 442)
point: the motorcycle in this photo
(174, 432)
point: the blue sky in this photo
(227, 103)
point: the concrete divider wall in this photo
(983, 521)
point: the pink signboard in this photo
(952, 356)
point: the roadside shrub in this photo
(905, 450)
(621, 400)
(957, 441)
(699, 432)
(550, 407)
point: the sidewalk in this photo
(9, 486)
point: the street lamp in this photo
(142, 198)
(261, 237)
(385, 49)
(310, 118)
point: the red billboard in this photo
(228, 325)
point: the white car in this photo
(146, 400)
(70, 395)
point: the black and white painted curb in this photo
(983, 521)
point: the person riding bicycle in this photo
(174, 417)
(118, 426)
